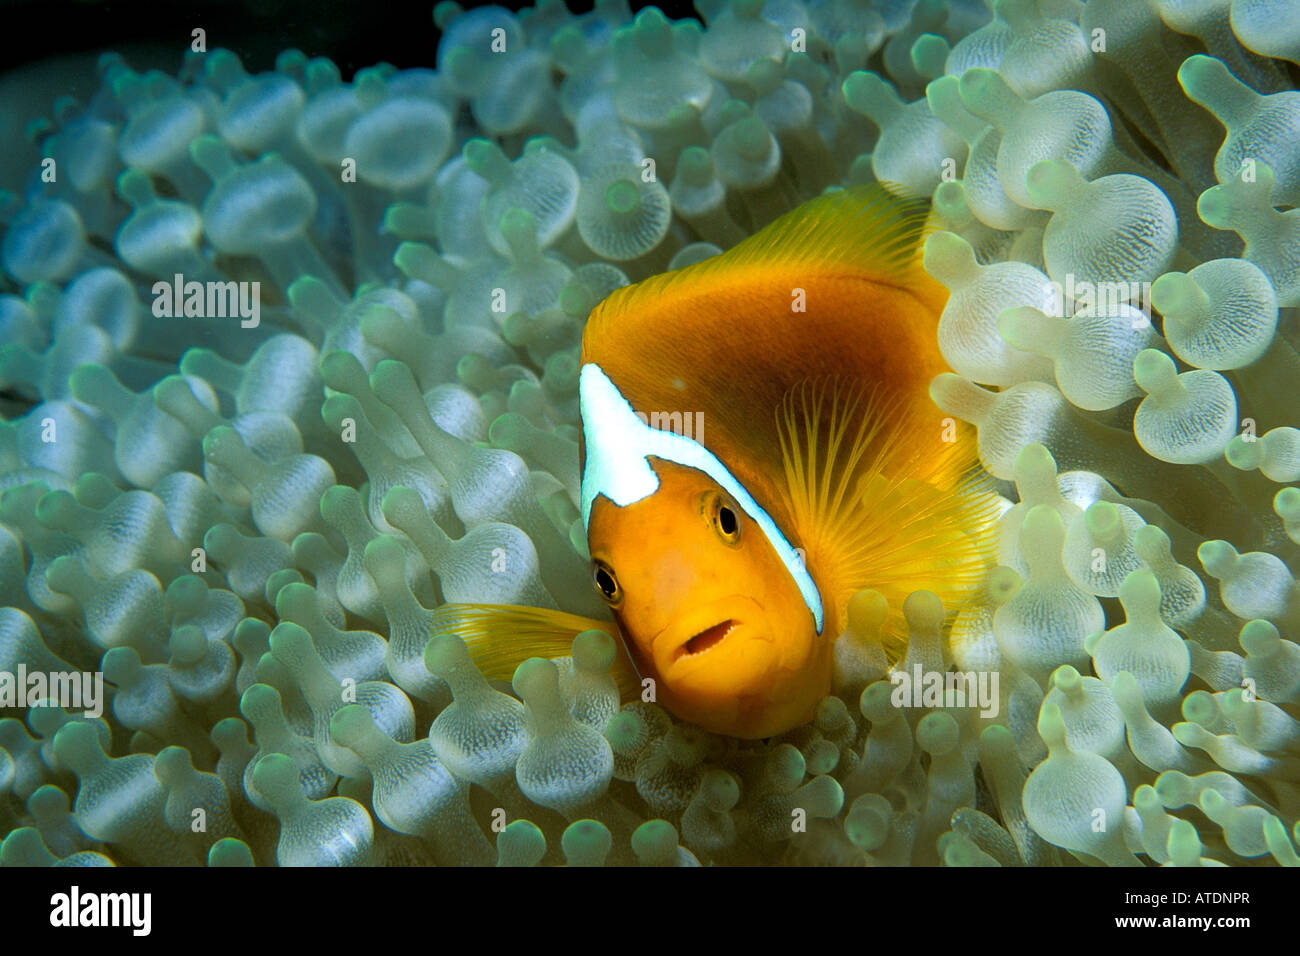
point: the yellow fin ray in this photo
(877, 503)
(500, 637)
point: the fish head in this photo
(707, 608)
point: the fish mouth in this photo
(705, 640)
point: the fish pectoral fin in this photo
(880, 501)
(502, 636)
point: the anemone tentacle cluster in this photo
(242, 504)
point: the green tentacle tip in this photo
(586, 843)
(655, 843)
(521, 843)
(229, 851)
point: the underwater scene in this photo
(759, 432)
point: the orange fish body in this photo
(821, 325)
(729, 343)
(802, 462)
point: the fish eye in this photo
(602, 576)
(725, 520)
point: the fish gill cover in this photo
(288, 362)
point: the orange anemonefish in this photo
(728, 553)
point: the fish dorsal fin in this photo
(500, 637)
(867, 230)
(879, 500)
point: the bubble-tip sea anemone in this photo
(246, 526)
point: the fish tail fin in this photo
(502, 636)
(880, 499)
